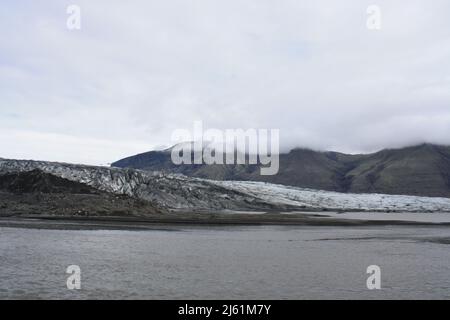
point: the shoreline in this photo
(174, 221)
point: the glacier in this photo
(179, 192)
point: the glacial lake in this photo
(261, 262)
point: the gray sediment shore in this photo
(177, 220)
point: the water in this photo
(434, 217)
(266, 262)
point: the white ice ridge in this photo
(310, 198)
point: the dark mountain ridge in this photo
(422, 170)
(39, 181)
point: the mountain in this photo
(422, 170)
(95, 190)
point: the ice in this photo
(174, 191)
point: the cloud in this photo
(136, 72)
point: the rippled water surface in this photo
(227, 263)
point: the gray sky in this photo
(137, 70)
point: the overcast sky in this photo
(137, 70)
